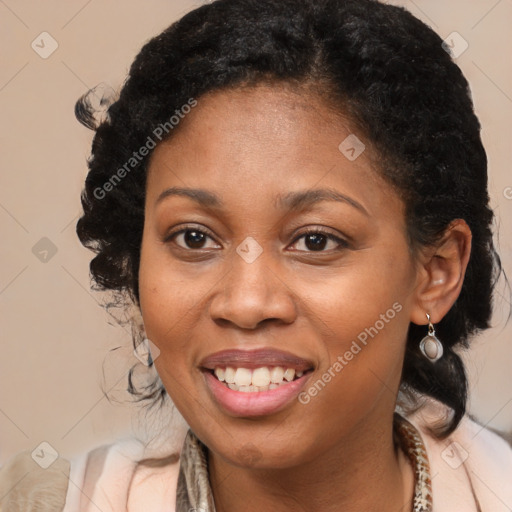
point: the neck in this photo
(366, 472)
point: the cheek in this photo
(168, 307)
(363, 331)
(362, 315)
(169, 315)
(363, 342)
(367, 299)
(174, 304)
(168, 298)
(164, 301)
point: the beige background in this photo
(56, 340)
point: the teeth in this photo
(248, 389)
(276, 374)
(229, 375)
(243, 377)
(259, 379)
(289, 374)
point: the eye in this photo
(316, 239)
(191, 237)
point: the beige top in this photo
(473, 461)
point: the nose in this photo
(252, 293)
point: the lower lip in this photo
(256, 403)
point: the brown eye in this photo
(194, 239)
(316, 240)
(191, 238)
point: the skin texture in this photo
(248, 146)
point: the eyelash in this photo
(318, 231)
(310, 231)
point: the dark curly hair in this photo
(374, 62)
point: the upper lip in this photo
(255, 359)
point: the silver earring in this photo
(430, 346)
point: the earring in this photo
(430, 346)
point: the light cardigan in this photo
(473, 461)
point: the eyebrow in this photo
(299, 200)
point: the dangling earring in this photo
(430, 346)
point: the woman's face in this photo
(243, 286)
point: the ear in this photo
(441, 272)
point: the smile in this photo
(254, 383)
(257, 380)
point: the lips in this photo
(252, 359)
(254, 382)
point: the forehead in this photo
(279, 119)
(258, 143)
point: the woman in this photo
(294, 196)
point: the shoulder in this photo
(472, 461)
(110, 478)
(107, 478)
(30, 484)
